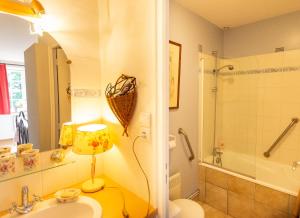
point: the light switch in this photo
(145, 119)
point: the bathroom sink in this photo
(84, 207)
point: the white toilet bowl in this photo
(184, 208)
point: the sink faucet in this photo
(295, 164)
(27, 205)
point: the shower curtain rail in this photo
(180, 131)
(294, 121)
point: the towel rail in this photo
(287, 129)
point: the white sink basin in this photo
(84, 207)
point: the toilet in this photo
(182, 208)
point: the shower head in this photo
(230, 67)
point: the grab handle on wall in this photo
(192, 156)
(287, 129)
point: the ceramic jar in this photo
(4, 150)
(24, 147)
(30, 159)
(7, 164)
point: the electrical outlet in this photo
(145, 125)
(145, 132)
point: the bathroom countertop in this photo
(112, 203)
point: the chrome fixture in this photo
(295, 164)
(280, 49)
(192, 156)
(27, 205)
(287, 129)
(216, 71)
(217, 156)
(229, 66)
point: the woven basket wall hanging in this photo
(121, 98)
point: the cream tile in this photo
(58, 178)
(216, 197)
(83, 167)
(217, 178)
(291, 58)
(240, 206)
(272, 198)
(33, 181)
(11, 190)
(290, 94)
(241, 186)
(288, 156)
(291, 79)
(9, 194)
(270, 60)
(273, 79)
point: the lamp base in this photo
(91, 187)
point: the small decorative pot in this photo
(7, 164)
(24, 147)
(4, 150)
(30, 159)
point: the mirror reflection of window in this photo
(34, 84)
(17, 88)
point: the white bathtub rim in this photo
(249, 179)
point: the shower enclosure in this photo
(251, 107)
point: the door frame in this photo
(162, 106)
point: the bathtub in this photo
(259, 170)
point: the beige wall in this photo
(191, 31)
(14, 41)
(263, 36)
(80, 39)
(128, 46)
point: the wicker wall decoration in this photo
(121, 98)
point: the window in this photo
(17, 88)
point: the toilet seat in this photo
(189, 208)
(174, 210)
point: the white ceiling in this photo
(233, 13)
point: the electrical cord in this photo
(144, 173)
(124, 211)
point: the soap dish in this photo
(67, 195)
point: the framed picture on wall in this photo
(174, 74)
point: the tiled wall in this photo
(258, 100)
(49, 181)
(240, 198)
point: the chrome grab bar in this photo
(180, 131)
(293, 122)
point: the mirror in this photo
(35, 98)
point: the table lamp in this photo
(91, 140)
(66, 135)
